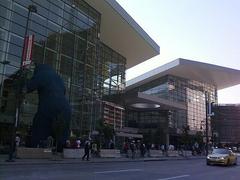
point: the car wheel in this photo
(208, 164)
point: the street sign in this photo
(27, 50)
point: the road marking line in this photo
(175, 177)
(123, 170)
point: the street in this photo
(152, 170)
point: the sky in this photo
(200, 30)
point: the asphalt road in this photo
(152, 170)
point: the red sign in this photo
(27, 50)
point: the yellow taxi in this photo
(222, 156)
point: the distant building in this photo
(113, 115)
(173, 96)
(226, 123)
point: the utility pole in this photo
(206, 102)
(31, 9)
(208, 117)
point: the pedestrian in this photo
(125, 148)
(50, 141)
(17, 140)
(142, 149)
(86, 150)
(94, 150)
(148, 147)
(78, 143)
(111, 144)
(152, 146)
(163, 148)
(133, 149)
(68, 144)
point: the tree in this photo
(198, 137)
(108, 131)
(105, 130)
(185, 139)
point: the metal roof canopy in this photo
(120, 32)
(219, 76)
(150, 101)
(123, 134)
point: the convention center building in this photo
(175, 98)
(89, 43)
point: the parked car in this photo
(222, 156)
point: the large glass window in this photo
(112, 68)
(187, 92)
(3, 40)
(17, 29)
(66, 68)
(50, 58)
(55, 12)
(5, 15)
(38, 53)
(67, 45)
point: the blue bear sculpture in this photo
(52, 107)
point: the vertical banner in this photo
(27, 50)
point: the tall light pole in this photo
(208, 116)
(206, 104)
(31, 9)
(4, 63)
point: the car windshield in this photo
(220, 151)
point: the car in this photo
(222, 156)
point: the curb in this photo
(52, 162)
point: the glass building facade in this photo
(189, 93)
(226, 124)
(67, 38)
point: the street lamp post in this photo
(4, 63)
(208, 117)
(206, 104)
(31, 9)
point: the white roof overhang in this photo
(219, 76)
(120, 32)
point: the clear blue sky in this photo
(200, 30)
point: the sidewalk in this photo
(60, 160)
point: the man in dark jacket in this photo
(86, 150)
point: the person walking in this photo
(133, 149)
(94, 150)
(148, 147)
(163, 149)
(86, 150)
(78, 143)
(125, 148)
(142, 149)
(17, 140)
